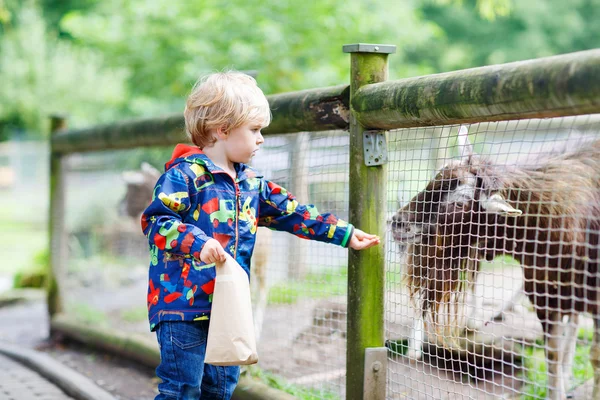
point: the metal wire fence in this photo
(444, 237)
(491, 231)
(299, 286)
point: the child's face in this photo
(243, 142)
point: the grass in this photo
(135, 314)
(23, 230)
(87, 314)
(35, 275)
(19, 242)
(313, 286)
(280, 383)
(397, 347)
(536, 374)
(536, 369)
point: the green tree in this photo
(293, 45)
(41, 75)
(532, 29)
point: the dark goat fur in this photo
(555, 239)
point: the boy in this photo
(208, 203)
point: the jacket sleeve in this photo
(162, 220)
(280, 210)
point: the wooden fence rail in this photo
(564, 85)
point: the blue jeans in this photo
(182, 370)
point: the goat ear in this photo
(496, 204)
(133, 177)
(150, 170)
(465, 149)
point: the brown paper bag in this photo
(231, 339)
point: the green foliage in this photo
(279, 383)
(397, 347)
(135, 314)
(293, 45)
(41, 76)
(312, 286)
(54, 10)
(35, 275)
(582, 368)
(7, 9)
(536, 374)
(536, 369)
(487, 9)
(533, 28)
(97, 64)
(87, 314)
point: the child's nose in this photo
(260, 139)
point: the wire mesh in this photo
(488, 343)
(480, 252)
(299, 286)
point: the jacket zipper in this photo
(237, 201)
(237, 205)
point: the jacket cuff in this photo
(197, 246)
(347, 236)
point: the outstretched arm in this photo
(361, 240)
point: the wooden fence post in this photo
(366, 268)
(298, 250)
(57, 243)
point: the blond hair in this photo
(223, 99)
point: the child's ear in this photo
(221, 132)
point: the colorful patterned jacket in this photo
(193, 201)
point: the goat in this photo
(547, 217)
(138, 194)
(473, 321)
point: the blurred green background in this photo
(101, 60)
(105, 60)
(97, 61)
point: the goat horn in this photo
(498, 205)
(465, 149)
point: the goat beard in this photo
(440, 283)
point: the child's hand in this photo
(361, 240)
(212, 252)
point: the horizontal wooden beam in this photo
(554, 86)
(310, 110)
(307, 110)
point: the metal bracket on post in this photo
(374, 148)
(375, 373)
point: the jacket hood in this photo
(182, 151)
(192, 154)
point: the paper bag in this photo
(231, 339)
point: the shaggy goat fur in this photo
(546, 216)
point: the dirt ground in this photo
(26, 324)
(304, 343)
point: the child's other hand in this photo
(212, 252)
(361, 240)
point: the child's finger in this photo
(370, 238)
(363, 235)
(363, 243)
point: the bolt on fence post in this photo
(366, 268)
(57, 242)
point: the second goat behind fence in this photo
(546, 216)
